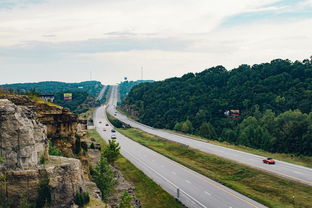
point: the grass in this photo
(95, 204)
(92, 133)
(299, 160)
(39, 100)
(263, 187)
(146, 190)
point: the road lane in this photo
(193, 187)
(291, 171)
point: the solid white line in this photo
(188, 181)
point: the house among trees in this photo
(48, 97)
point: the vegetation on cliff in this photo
(275, 100)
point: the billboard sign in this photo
(68, 96)
(232, 113)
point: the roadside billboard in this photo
(68, 96)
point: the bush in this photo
(81, 198)
(103, 177)
(53, 150)
(77, 146)
(44, 193)
(126, 200)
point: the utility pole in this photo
(90, 75)
(142, 73)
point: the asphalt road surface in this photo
(195, 190)
(284, 169)
(100, 96)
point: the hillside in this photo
(275, 100)
(84, 93)
(126, 86)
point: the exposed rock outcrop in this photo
(22, 137)
(23, 144)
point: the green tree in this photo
(103, 177)
(253, 135)
(187, 127)
(126, 200)
(178, 126)
(112, 151)
(44, 192)
(207, 130)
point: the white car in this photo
(113, 136)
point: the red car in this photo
(269, 161)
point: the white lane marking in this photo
(297, 172)
(206, 192)
(162, 166)
(188, 181)
(173, 173)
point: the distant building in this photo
(49, 98)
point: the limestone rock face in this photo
(66, 179)
(22, 137)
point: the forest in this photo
(126, 86)
(274, 102)
(83, 94)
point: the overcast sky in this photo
(65, 40)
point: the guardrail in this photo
(169, 186)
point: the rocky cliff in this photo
(23, 145)
(22, 137)
(60, 122)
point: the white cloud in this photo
(115, 38)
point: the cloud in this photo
(66, 39)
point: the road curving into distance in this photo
(284, 169)
(193, 189)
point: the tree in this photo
(44, 192)
(207, 130)
(187, 127)
(103, 177)
(111, 152)
(126, 200)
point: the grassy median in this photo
(263, 187)
(147, 191)
(290, 158)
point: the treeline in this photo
(126, 86)
(83, 94)
(80, 103)
(91, 87)
(275, 100)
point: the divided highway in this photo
(284, 169)
(194, 190)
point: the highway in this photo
(194, 190)
(284, 169)
(101, 94)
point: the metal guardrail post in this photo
(178, 193)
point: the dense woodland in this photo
(84, 93)
(275, 100)
(126, 86)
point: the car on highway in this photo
(113, 130)
(269, 160)
(106, 125)
(113, 136)
(100, 121)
